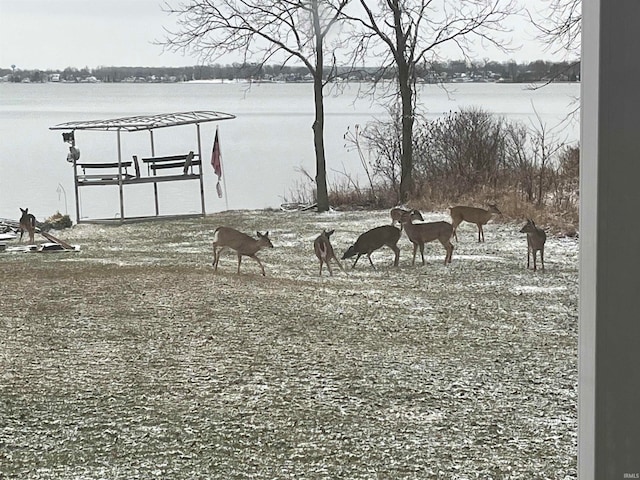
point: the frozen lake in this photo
(263, 148)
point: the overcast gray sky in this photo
(54, 34)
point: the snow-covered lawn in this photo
(131, 359)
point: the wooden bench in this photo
(155, 168)
(105, 178)
(185, 162)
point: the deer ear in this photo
(330, 232)
(266, 234)
(259, 234)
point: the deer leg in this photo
(259, 263)
(371, 261)
(320, 274)
(216, 257)
(415, 248)
(446, 248)
(422, 252)
(542, 258)
(327, 260)
(396, 250)
(480, 233)
(356, 261)
(239, 261)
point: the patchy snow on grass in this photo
(537, 290)
(132, 359)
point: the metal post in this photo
(75, 186)
(155, 185)
(121, 190)
(201, 170)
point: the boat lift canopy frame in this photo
(135, 124)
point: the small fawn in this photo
(28, 224)
(372, 240)
(243, 244)
(324, 250)
(535, 242)
(396, 215)
(421, 233)
(479, 216)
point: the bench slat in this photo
(169, 158)
(103, 165)
(172, 165)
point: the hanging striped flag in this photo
(216, 163)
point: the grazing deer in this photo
(421, 233)
(243, 244)
(535, 242)
(372, 240)
(28, 224)
(324, 250)
(479, 216)
(396, 214)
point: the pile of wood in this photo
(9, 230)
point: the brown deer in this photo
(535, 242)
(243, 244)
(27, 224)
(479, 216)
(396, 214)
(425, 232)
(324, 250)
(372, 240)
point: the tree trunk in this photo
(406, 155)
(318, 142)
(405, 86)
(318, 124)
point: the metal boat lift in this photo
(180, 167)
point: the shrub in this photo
(475, 157)
(57, 221)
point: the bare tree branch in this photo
(411, 30)
(559, 24)
(263, 30)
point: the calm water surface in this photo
(263, 149)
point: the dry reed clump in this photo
(57, 221)
(131, 359)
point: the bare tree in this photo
(545, 148)
(560, 25)
(264, 30)
(410, 33)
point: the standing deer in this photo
(324, 251)
(243, 244)
(28, 224)
(479, 216)
(396, 214)
(372, 240)
(421, 233)
(535, 242)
